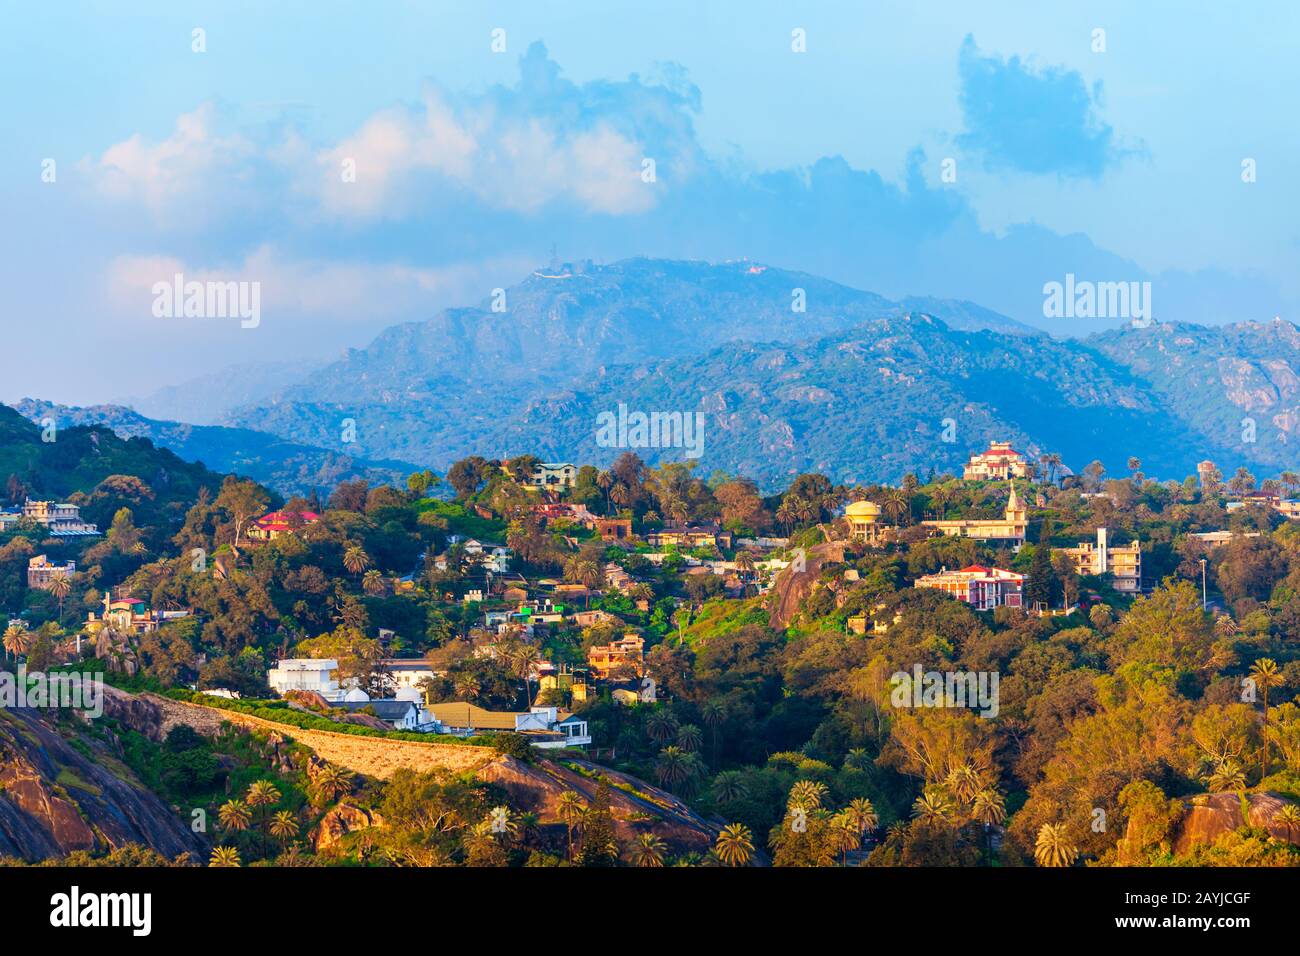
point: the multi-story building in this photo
(306, 673)
(1122, 562)
(627, 653)
(1010, 528)
(41, 573)
(999, 463)
(552, 475)
(59, 518)
(980, 587)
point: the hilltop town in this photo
(730, 661)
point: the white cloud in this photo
(185, 168)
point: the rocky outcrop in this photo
(55, 799)
(1210, 815)
(636, 806)
(792, 586)
(339, 822)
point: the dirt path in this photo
(372, 756)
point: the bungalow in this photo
(399, 714)
(564, 511)
(277, 523)
(612, 529)
(494, 557)
(125, 612)
(690, 536)
(980, 587)
(546, 727)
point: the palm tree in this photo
(991, 810)
(745, 565)
(729, 786)
(262, 793)
(524, 660)
(332, 781)
(662, 726)
(857, 759)
(932, 806)
(864, 816)
(714, 716)
(845, 835)
(60, 587)
(224, 856)
(964, 781)
(673, 768)
(1289, 817)
(897, 504)
(355, 559)
(806, 795)
(735, 846)
(940, 498)
(283, 826)
(604, 481)
(1053, 848)
(785, 516)
(17, 639)
(1227, 776)
(689, 737)
(235, 815)
(570, 809)
(1265, 674)
(647, 850)
(372, 582)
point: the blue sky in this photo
(1122, 165)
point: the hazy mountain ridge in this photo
(560, 328)
(855, 386)
(288, 467)
(874, 402)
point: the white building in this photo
(306, 673)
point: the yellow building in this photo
(1011, 527)
(864, 520)
(1123, 562)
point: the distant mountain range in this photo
(790, 371)
(288, 467)
(206, 400)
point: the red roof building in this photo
(271, 526)
(980, 587)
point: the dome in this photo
(408, 693)
(863, 509)
(356, 696)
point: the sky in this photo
(370, 164)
